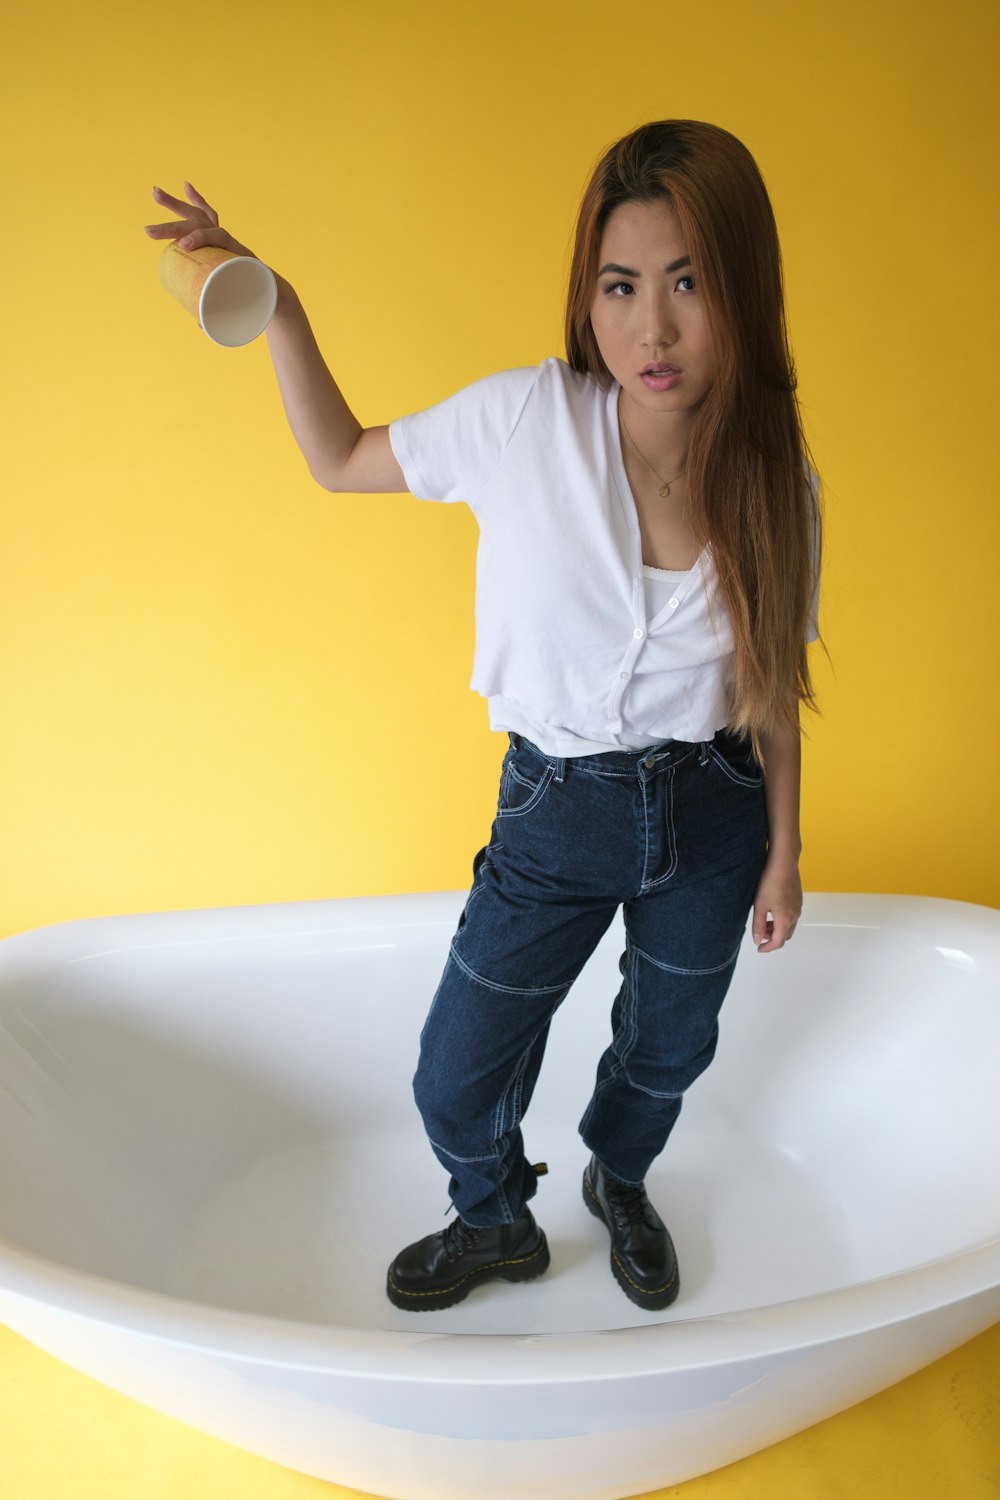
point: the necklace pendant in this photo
(664, 490)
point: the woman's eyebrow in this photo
(674, 265)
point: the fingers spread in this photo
(204, 214)
(196, 197)
(169, 201)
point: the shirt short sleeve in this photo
(449, 451)
(812, 627)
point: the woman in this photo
(647, 581)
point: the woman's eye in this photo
(616, 285)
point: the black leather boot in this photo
(444, 1268)
(642, 1253)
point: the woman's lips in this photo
(664, 380)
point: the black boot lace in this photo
(459, 1237)
(628, 1202)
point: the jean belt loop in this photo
(560, 765)
(703, 753)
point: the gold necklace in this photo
(664, 484)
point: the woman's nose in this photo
(661, 327)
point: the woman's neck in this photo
(661, 438)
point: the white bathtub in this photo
(209, 1153)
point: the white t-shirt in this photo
(569, 650)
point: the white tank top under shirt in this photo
(580, 646)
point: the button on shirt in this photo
(568, 651)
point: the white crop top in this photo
(578, 646)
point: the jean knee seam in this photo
(676, 969)
(505, 989)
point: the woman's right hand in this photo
(198, 225)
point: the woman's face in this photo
(647, 309)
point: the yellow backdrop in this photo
(222, 685)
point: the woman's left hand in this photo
(777, 905)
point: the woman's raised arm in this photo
(341, 454)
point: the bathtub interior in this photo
(217, 1106)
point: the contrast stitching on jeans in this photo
(671, 834)
(653, 1093)
(601, 1084)
(519, 1092)
(734, 776)
(499, 1152)
(533, 801)
(491, 1156)
(632, 1003)
(613, 775)
(645, 835)
(580, 770)
(514, 1083)
(506, 989)
(476, 890)
(479, 877)
(479, 882)
(674, 969)
(628, 1031)
(671, 831)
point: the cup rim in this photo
(272, 298)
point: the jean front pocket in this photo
(524, 781)
(734, 757)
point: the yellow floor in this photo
(934, 1436)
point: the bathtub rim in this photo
(55, 943)
(665, 1347)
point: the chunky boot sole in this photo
(651, 1300)
(520, 1268)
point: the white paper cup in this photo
(232, 296)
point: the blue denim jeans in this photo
(677, 836)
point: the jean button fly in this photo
(649, 762)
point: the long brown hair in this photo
(749, 492)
